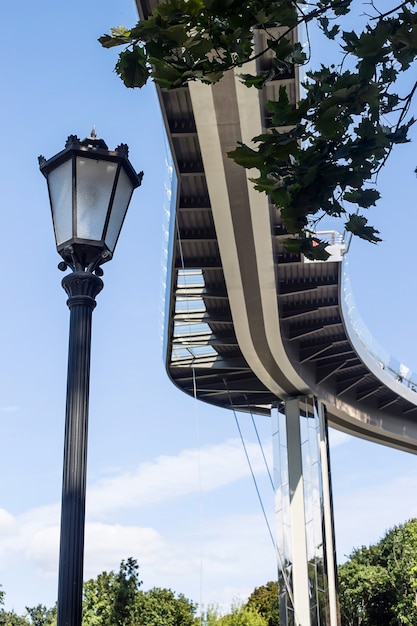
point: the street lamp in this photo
(90, 188)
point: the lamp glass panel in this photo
(121, 201)
(60, 190)
(94, 186)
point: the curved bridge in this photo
(250, 326)
(248, 323)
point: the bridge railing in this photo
(338, 248)
(382, 357)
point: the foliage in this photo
(40, 615)
(378, 585)
(10, 618)
(209, 617)
(115, 599)
(323, 156)
(127, 586)
(242, 615)
(366, 592)
(265, 600)
(99, 600)
(109, 600)
(161, 607)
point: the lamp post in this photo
(90, 188)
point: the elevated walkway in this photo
(248, 322)
(252, 327)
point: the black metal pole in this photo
(82, 289)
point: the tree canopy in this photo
(378, 587)
(265, 600)
(378, 584)
(9, 618)
(323, 156)
(40, 615)
(115, 599)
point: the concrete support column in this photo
(305, 531)
(328, 522)
(300, 581)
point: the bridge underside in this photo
(252, 327)
(249, 323)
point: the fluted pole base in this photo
(82, 289)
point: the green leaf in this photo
(178, 34)
(132, 67)
(164, 74)
(280, 196)
(331, 34)
(120, 31)
(313, 248)
(362, 197)
(371, 43)
(400, 135)
(245, 156)
(357, 224)
(282, 47)
(327, 122)
(324, 24)
(334, 140)
(199, 47)
(263, 183)
(281, 109)
(212, 77)
(250, 80)
(107, 41)
(351, 41)
(342, 7)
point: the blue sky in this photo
(167, 479)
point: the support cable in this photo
(280, 562)
(250, 466)
(261, 447)
(200, 490)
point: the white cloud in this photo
(19, 534)
(106, 545)
(235, 555)
(7, 523)
(33, 537)
(223, 558)
(43, 550)
(170, 477)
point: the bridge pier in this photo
(303, 503)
